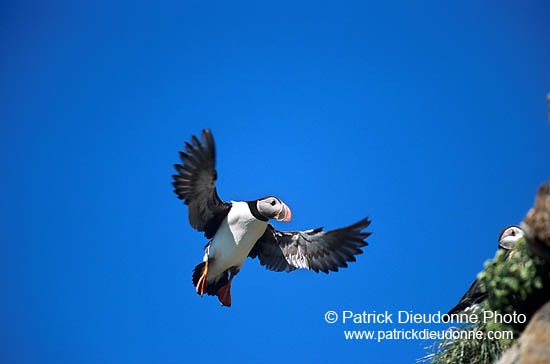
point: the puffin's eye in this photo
(513, 233)
(273, 203)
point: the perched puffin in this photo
(507, 239)
(240, 229)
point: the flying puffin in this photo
(507, 239)
(240, 229)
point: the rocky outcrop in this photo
(534, 344)
(537, 224)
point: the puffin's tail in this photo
(212, 287)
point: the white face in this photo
(510, 237)
(273, 208)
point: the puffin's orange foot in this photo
(201, 285)
(224, 295)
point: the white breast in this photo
(234, 239)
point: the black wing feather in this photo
(311, 249)
(195, 183)
(473, 295)
(476, 294)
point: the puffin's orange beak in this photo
(285, 214)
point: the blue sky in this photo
(430, 119)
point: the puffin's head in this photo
(272, 208)
(509, 237)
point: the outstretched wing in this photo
(311, 249)
(195, 184)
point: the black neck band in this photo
(254, 210)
